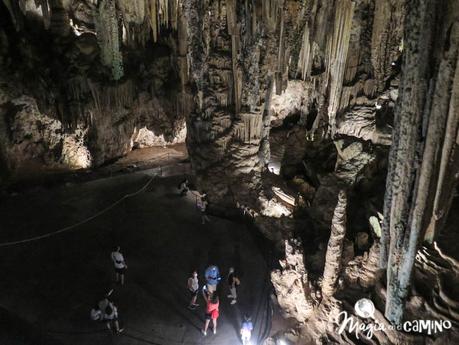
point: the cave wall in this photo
(72, 96)
(233, 49)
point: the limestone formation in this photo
(426, 124)
(288, 109)
(291, 284)
(335, 247)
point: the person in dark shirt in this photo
(233, 283)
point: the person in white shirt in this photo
(110, 314)
(193, 287)
(96, 313)
(120, 265)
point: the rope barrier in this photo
(71, 227)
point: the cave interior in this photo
(309, 145)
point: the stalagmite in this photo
(335, 247)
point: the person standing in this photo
(184, 187)
(233, 283)
(212, 276)
(212, 312)
(203, 204)
(120, 265)
(246, 330)
(193, 287)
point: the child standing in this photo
(246, 330)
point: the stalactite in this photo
(386, 38)
(113, 98)
(162, 13)
(233, 30)
(337, 50)
(449, 161)
(304, 58)
(249, 128)
(106, 21)
(45, 10)
(270, 11)
(335, 247)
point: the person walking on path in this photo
(193, 287)
(212, 312)
(120, 265)
(212, 276)
(203, 204)
(233, 283)
(246, 330)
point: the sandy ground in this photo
(48, 287)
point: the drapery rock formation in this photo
(232, 55)
(91, 93)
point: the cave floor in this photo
(53, 283)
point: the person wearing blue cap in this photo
(212, 275)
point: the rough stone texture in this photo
(60, 71)
(335, 247)
(232, 51)
(30, 136)
(363, 270)
(291, 284)
(425, 138)
(290, 102)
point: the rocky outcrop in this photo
(293, 289)
(289, 103)
(32, 137)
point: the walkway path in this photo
(53, 283)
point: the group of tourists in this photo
(105, 310)
(212, 302)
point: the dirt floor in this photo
(48, 287)
(36, 174)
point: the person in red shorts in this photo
(211, 312)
